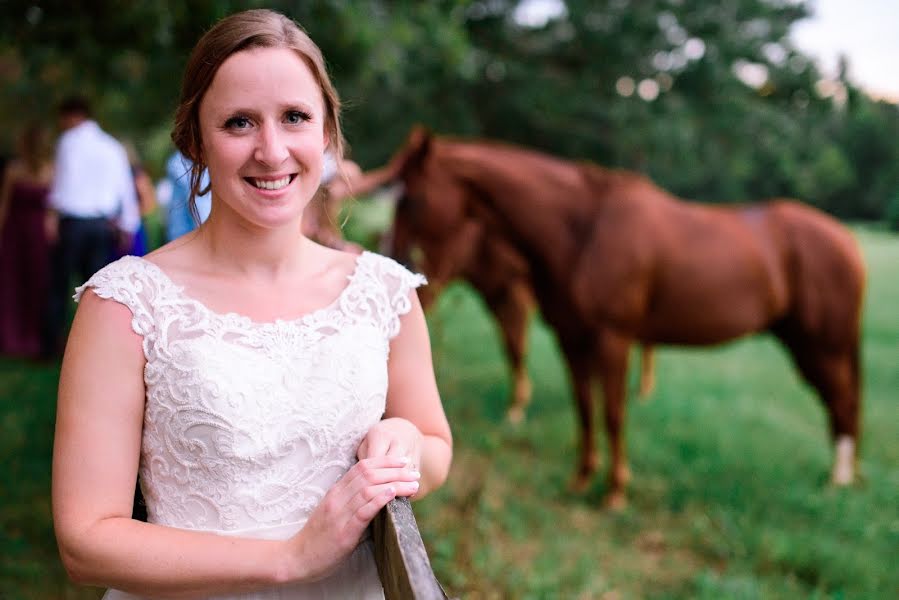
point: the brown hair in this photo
(34, 146)
(258, 28)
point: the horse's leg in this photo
(580, 364)
(647, 371)
(835, 375)
(613, 358)
(511, 309)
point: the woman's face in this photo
(262, 127)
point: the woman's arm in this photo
(414, 423)
(95, 459)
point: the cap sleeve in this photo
(397, 282)
(127, 281)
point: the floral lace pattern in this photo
(248, 424)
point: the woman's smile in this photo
(271, 184)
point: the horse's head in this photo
(432, 230)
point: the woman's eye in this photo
(237, 123)
(295, 117)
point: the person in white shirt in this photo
(92, 207)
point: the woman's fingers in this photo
(392, 437)
(377, 444)
(366, 475)
(366, 499)
(350, 505)
(367, 511)
(362, 452)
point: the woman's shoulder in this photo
(17, 171)
(387, 268)
(177, 257)
(125, 278)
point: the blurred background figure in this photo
(143, 241)
(24, 254)
(321, 220)
(93, 207)
(176, 187)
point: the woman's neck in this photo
(239, 249)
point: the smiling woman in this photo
(273, 394)
(262, 123)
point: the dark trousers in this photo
(83, 248)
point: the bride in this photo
(272, 393)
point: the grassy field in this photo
(730, 458)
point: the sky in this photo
(866, 31)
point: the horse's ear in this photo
(418, 144)
(419, 135)
(410, 156)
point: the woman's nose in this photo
(271, 148)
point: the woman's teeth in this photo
(268, 184)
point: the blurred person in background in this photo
(179, 218)
(24, 253)
(146, 201)
(320, 221)
(93, 206)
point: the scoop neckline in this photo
(236, 316)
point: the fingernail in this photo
(390, 491)
(416, 474)
(415, 485)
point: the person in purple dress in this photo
(24, 253)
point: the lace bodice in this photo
(247, 424)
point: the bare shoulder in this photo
(103, 320)
(331, 267)
(177, 256)
(93, 306)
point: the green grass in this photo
(730, 458)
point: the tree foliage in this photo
(711, 99)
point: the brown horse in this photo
(489, 263)
(613, 260)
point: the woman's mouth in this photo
(269, 183)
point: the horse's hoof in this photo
(515, 416)
(843, 473)
(842, 478)
(615, 501)
(622, 477)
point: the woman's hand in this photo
(337, 524)
(396, 437)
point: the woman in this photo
(244, 365)
(139, 244)
(24, 252)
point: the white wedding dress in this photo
(247, 424)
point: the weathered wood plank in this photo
(401, 557)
